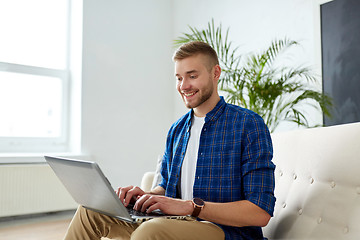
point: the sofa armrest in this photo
(147, 181)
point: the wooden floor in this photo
(36, 231)
(44, 228)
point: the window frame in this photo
(40, 145)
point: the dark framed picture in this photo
(340, 47)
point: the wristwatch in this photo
(198, 205)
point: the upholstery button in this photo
(281, 173)
(295, 176)
(300, 211)
(311, 180)
(345, 230)
(332, 184)
(358, 190)
(284, 205)
(319, 220)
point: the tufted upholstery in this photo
(317, 184)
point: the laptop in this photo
(89, 187)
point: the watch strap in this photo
(198, 205)
(196, 211)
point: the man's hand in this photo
(148, 202)
(167, 205)
(129, 194)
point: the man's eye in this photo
(193, 76)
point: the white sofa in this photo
(317, 184)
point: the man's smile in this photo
(189, 94)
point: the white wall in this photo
(129, 97)
(127, 85)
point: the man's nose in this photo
(185, 85)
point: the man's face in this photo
(194, 81)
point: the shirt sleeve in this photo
(257, 167)
(164, 172)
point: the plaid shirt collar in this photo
(213, 115)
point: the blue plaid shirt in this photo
(234, 161)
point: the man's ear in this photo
(217, 72)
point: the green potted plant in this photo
(277, 93)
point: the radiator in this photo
(30, 189)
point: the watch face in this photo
(199, 202)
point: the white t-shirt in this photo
(189, 164)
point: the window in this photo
(34, 76)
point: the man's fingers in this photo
(129, 194)
(153, 207)
(122, 192)
(133, 194)
(139, 204)
(148, 202)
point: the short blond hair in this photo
(194, 48)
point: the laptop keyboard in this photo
(133, 212)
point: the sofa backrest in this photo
(317, 184)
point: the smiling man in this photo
(217, 168)
(197, 82)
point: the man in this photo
(219, 154)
